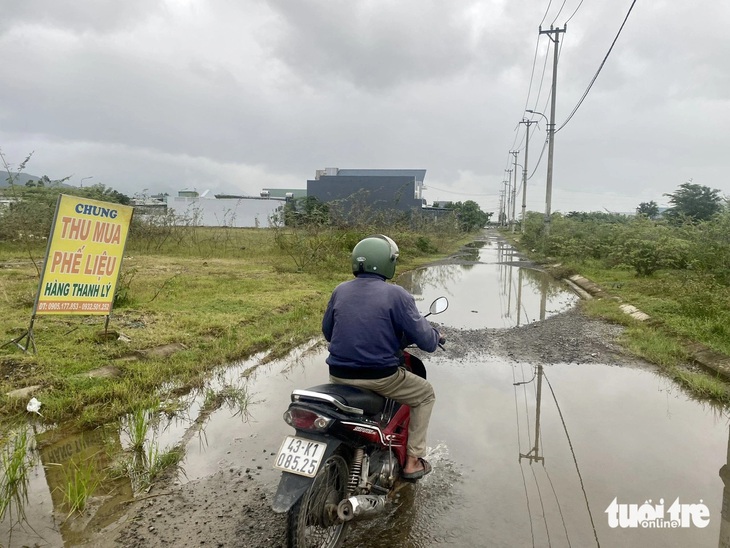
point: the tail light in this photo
(304, 419)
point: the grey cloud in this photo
(378, 45)
(239, 92)
(75, 15)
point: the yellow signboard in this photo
(84, 257)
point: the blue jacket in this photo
(365, 320)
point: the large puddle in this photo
(523, 455)
(490, 288)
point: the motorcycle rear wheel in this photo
(312, 522)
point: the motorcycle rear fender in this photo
(293, 486)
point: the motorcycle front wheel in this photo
(312, 522)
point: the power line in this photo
(559, 12)
(576, 11)
(575, 460)
(546, 12)
(429, 187)
(542, 506)
(527, 99)
(560, 509)
(585, 93)
(542, 77)
(544, 145)
(532, 77)
(547, 101)
(519, 450)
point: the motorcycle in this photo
(345, 460)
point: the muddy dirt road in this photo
(231, 506)
(612, 433)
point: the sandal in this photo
(418, 474)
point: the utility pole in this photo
(551, 127)
(509, 194)
(514, 190)
(506, 201)
(527, 123)
(501, 206)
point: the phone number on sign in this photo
(56, 306)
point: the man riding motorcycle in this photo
(366, 322)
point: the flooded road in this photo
(605, 433)
(525, 453)
(488, 288)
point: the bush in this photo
(647, 247)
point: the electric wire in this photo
(552, 487)
(500, 294)
(558, 14)
(542, 78)
(527, 99)
(529, 92)
(532, 74)
(527, 411)
(540, 87)
(573, 15)
(544, 146)
(529, 87)
(547, 101)
(519, 451)
(542, 506)
(575, 460)
(546, 12)
(595, 76)
(462, 193)
(557, 501)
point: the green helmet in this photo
(376, 254)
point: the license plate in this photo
(300, 456)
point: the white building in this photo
(237, 212)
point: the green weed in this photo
(16, 461)
(703, 385)
(136, 426)
(159, 462)
(81, 479)
(236, 398)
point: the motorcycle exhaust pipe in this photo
(361, 506)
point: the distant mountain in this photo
(20, 179)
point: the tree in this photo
(306, 211)
(101, 192)
(650, 210)
(693, 202)
(469, 215)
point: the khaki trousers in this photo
(411, 390)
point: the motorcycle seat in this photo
(359, 398)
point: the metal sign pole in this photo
(30, 339)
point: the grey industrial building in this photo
(377, 189)
(348, 192)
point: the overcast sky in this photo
(237, 95)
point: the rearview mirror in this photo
(439, 305)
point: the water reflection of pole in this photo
(519, 295)
(509, 294)
(725, 513)
(534, 455)
(543, 296)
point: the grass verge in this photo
(684, 308)
(184, 309)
